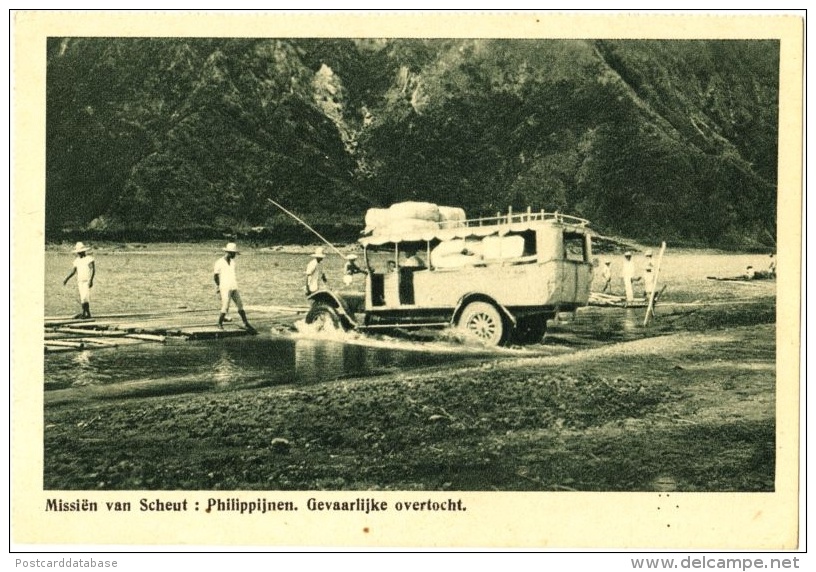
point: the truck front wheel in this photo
(323, 317)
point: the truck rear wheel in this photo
(323, 317)
(483, 321)
(530, 330)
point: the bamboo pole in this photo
(65, 344)
(146, 337)
(301, 221)
(89, 332)
(650, 307)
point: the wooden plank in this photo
(146, 337)
(90, 332)
(66, 344)
(54, 346)
(58, 349)
(103, 343)
(161, 328)
(57, 336)
(56, 323)
(213, 333)
(606, 300)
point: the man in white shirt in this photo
(85, 270)
(315, 277)
(607, 276)
(648, 276)
(226, 284)
(628, 274)
(350, 269)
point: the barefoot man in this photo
(227, 285)
(85, 270)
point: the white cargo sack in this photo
(502, 247)
(416, 210)
(412, 216)
(456, 253)
(376, 218)
(408, 226)
(451, 217)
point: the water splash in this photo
(447, 340)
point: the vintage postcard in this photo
(416, 280)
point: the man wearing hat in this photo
(315, 277)
(85, 270)
(648, 276)
(607, 276)
(628, 274)
(350, 269)
(226, 284)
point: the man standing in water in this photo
(85, 270)
(315, 277)
(226, 284)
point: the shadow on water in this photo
(153, 370)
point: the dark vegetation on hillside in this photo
(172, 139)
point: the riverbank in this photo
(109, 247)
(689, 408)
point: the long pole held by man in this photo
(304, 223)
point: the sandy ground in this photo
(690, 408)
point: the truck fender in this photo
(477, 297)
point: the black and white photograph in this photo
(442, 275)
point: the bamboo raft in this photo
(600, 299)
(64, 334)
(611, 300)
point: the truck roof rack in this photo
(478, 227)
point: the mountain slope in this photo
(654, 140)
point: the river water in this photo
(160, 278)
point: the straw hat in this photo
(80, 248)
(318, 253)
(648, 253)
(351, 257)
(608, 262)
(231, 247)
(627, 254)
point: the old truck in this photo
(499, 279)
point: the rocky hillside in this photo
(673, 140)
